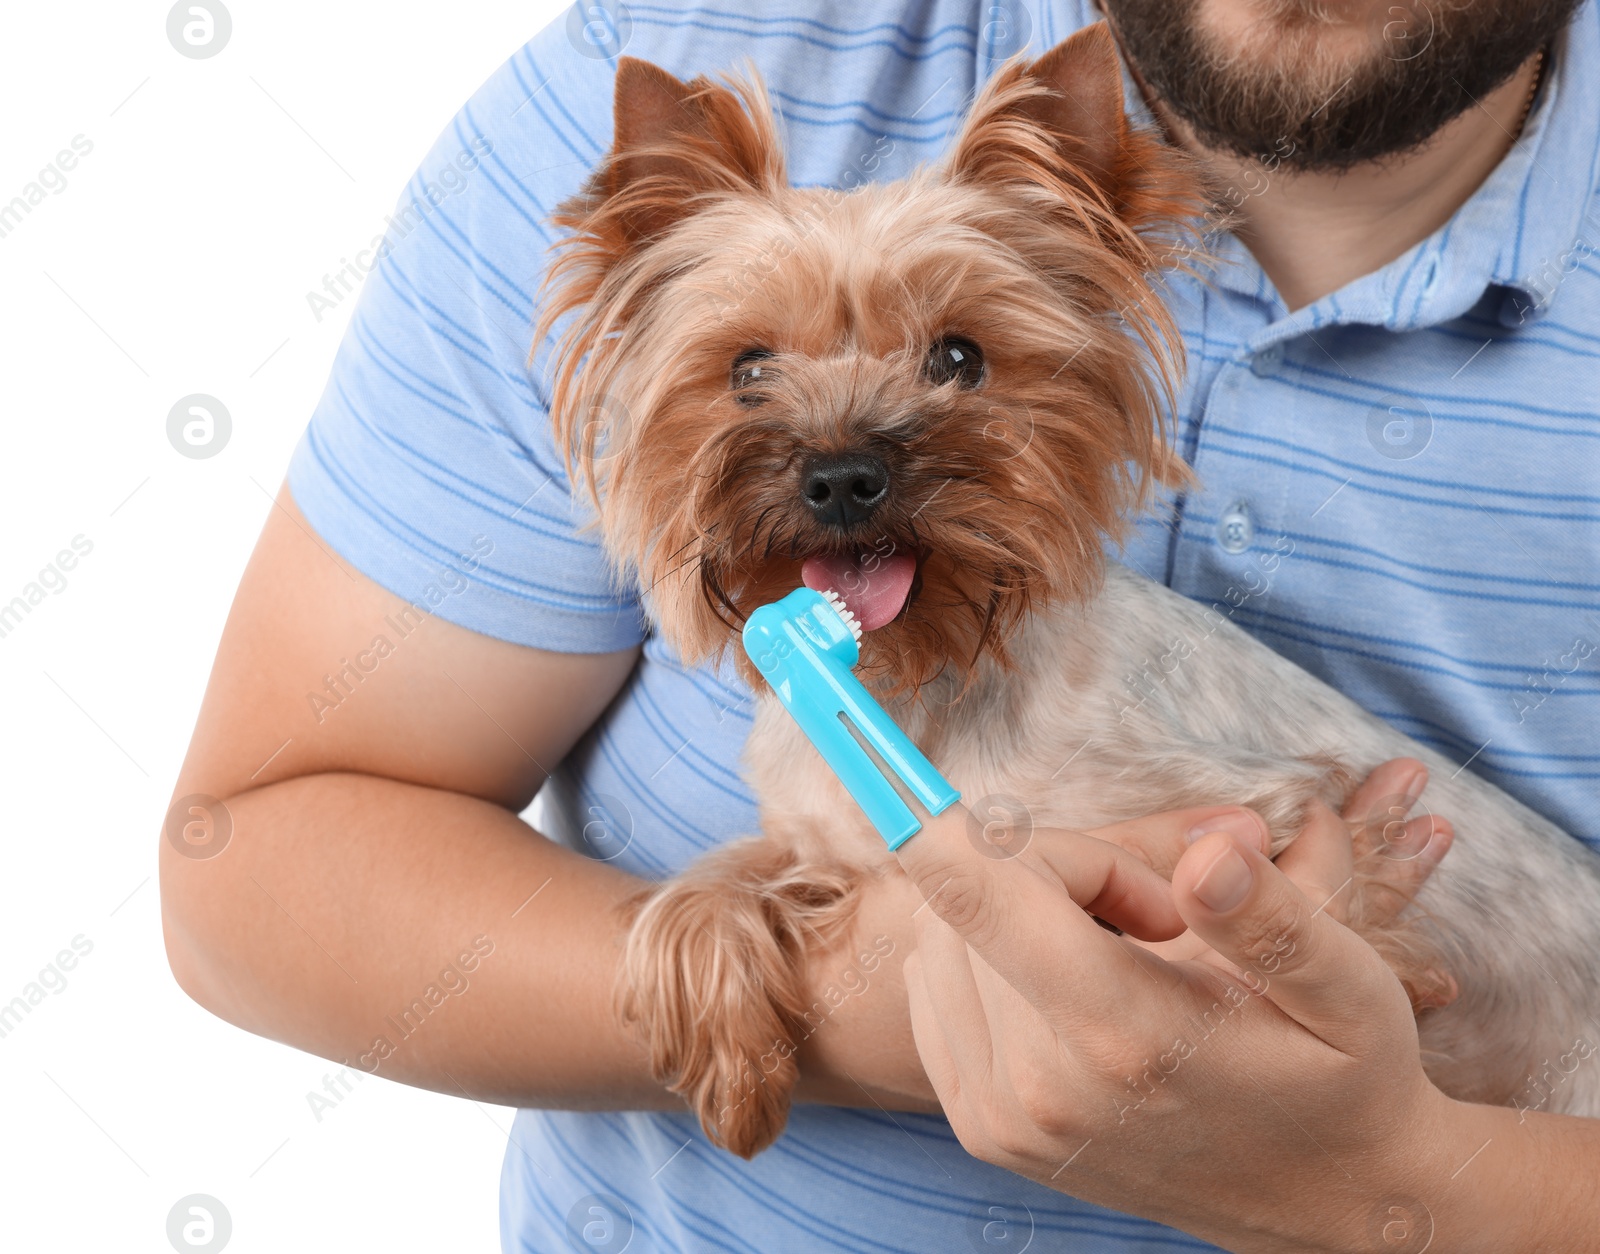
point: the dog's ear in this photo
(677, 149)
(673, 144)
(1059, 119)
(1083, 110)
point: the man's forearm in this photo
(346, 910)
(1508, 1180)
(418, 934)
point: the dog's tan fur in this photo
(1036, 238)
(690, 239)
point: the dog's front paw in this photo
(714, 980)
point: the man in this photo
(1390, 408)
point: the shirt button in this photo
(1235, 529)
(1267, 360)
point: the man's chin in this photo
(1326, 87)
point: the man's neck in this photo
(1313, 232)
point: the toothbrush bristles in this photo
(837, 601)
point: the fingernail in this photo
(1224, 883)
(1414, 786)
(1238, 823)
(1439, 841)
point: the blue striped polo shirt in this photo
(1400, 490)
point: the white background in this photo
(177, 260)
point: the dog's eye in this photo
(955, 360)
(749, 372)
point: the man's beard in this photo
(1298, 96)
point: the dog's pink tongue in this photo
(873, 588)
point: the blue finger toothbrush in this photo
(805, 645)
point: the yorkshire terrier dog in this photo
(941, 398)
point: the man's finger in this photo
(1029, 1053)
(953, 1024)
(1024, 917)
(1395, 854)
(1398, 777)
(1321, 862)
(926, 1031)
(1159, 840)
(1377, 809)
(1126, 892)
(1390, 878)
(1312, 967)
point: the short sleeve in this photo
(428, 462)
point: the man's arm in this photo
(378, 845)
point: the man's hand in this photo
(864, 1050)
(1409, 849)
(1084, 1061)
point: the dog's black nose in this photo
(843, 489)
